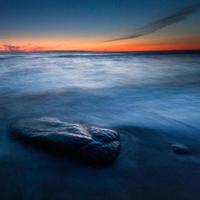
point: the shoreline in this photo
(147, 168)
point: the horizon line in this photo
(99, 51)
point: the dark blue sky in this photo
(89, 18)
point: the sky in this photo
(99, 25)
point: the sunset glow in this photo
(69, 26)
(147, 44)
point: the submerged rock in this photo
(180, 149)
(93, 144)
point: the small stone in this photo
(93, 144)
(180, 149)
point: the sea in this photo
(152, 89)
(152, 99)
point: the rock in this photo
(180, 149)
(93, 144)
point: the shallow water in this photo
(109, 89)
(151, 99)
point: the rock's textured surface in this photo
(92, 144)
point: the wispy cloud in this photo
(10, 47)
(161, 23)
(24, 48)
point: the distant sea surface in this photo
(110, 89)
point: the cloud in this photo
(161, 23)
(24, 48)
(11, 48)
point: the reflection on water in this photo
(105, 89)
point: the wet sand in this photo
(147, 168)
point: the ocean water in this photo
(151, 99)
(109, 89)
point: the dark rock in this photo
(180, 149)
(98, 145)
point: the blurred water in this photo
(109, 89)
